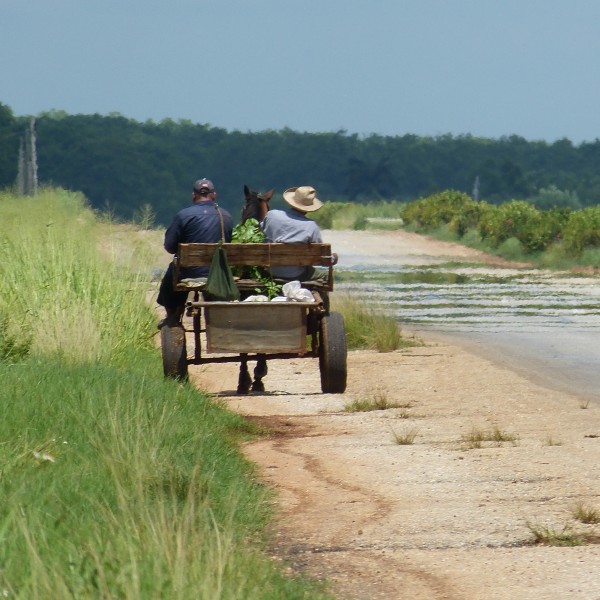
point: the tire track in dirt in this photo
(331, 548)
(295, 430)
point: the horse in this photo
(256, 206)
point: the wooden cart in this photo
(228, 331)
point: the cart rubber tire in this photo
(332, 354)
(174, 353)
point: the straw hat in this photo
(303, 198)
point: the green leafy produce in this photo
(250, 233)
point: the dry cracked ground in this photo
(409, 502)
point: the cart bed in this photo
(261, 327)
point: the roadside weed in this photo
(500, 436)
(546, 536)
(406, 438)
(476, 437)
(379, 401)
(586, 514)
(550, 441)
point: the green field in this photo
(114, 483)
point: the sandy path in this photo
(435, 518)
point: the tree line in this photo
(128, 167)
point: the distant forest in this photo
(127, 166)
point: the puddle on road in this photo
(479, 298)
(542, 324)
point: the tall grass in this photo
(367, 215)
(368, 328)
(58, 292)
(114, 483)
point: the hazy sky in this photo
(429, 67)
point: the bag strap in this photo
(222, 223)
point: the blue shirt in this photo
(290, 227)
(198, 223)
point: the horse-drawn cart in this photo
(242, 331)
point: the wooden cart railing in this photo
(259, 255)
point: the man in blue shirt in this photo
(202, 222)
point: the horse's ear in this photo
(267, 195)
(246, 190)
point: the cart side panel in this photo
(263, 327)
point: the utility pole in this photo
(476, 189)
(27, 177)
(22, 169)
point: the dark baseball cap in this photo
(204, 185)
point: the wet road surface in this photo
(542, 324)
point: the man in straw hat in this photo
(294, 227)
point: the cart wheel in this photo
(332, 354)
(174, 354)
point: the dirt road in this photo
(436, 518)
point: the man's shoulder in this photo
(186, 210)
(224, 210)
(201, 208)
(274, 215)
(276, 212)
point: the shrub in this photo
(512, 249)
(326, 214)
(582, 230)
(539, 234)
(535, 229)
(590, 257)
(517, 226)
(467, 217)
(360, 223)
(502, 222)
(442, 208)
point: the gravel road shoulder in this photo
(438, 518)
(435, 518)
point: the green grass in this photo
(360, 215)
(379, 401)
(367, 328)
(59, 292)
(586, 514)
(114, 482)
(417, 275)
(405, 438)
(547, 536)
(555, 257)
(476, 437)
(117, 483)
